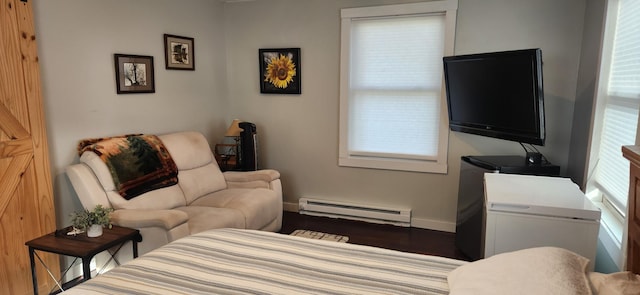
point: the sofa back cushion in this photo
(198, 172)
(164, 198)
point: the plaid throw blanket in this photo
(138, 163)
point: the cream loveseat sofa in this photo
(204, 198)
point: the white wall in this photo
(299, 133)
(76, 42)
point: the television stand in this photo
(469, 223)
(511, 165)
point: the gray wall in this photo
(298, 133)
(76, 42)
(579, 163)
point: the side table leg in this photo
(135, 248)
(136, 239)
(34, 279)
(86, 268)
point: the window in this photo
(618, 102)
(615, 121)
(392, 107)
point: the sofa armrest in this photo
(267, 178)
(266, 175)
(87, 186)
(135, 218)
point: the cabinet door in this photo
(26, 198)
(509, 232)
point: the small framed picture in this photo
(280, 70)
(179, 53)
(134, 73)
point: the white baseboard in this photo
(415, 222)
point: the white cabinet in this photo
(524, 211)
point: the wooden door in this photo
(26, 198)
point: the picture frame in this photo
(179, 53)
(280, 70)
(134, 73)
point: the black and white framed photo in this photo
(134, 73)
(280, 70)
(179, 53)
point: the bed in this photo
(236, 261)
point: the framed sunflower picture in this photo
(280, 70)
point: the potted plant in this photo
(92, 221)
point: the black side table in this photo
(80, 246)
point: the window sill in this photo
(394, 164)
(610, 234)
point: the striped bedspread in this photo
(232, 261)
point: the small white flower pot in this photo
(94, 231)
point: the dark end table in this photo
(80, 246)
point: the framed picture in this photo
(179, 53)
(134, 73)
(280, 70)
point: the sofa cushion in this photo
(166, 219)
(188, 149)
(159, 199)
(199, 173)
(201, 181)
(204, 218)
(259, 206)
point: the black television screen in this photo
(497, 94)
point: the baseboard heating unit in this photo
(400, 217)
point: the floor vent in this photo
(401, 217)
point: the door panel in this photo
(26, 198)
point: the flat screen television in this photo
(497, 94)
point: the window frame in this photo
(612, 233)
(436, 164)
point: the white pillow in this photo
(543, 270)
(617, 283)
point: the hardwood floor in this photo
(407, 239)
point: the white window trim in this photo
(436, 165)
(612, 232)
(611, 229)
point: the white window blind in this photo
(395, 86)
(622, 103)
(393, 113)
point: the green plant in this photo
(85, 218)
